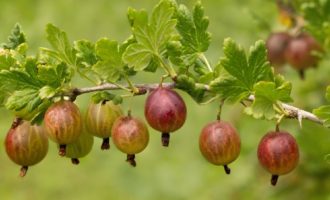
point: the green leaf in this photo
(6, 59)
(242, 72)
(17, 80)
(110, 67)
(323, 113)
(187, 84)
(60, 42)
(267, 97)
(193, 29)
(138, 56)
(258, 63)
(27, 104)
(16, 38)
(151, 35)
(23, 98)
(249, 70)
(85, 53)
(317, 16)
(54, 75)
(47, 92)
(229, 88)
(106, 96)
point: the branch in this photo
(293, 112)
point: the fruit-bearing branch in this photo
(293, 112)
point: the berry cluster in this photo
(165, 111)
(300, 51)
(27, 144)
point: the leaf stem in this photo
(210, 100)
(278, 122)
(134, 89)
(220, 109)
(121, 87)
(206, 62)
(168, 68)
(86, 77)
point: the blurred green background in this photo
(178, 172)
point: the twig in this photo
(293, 112)
(297, 113)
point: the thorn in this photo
(299, 117)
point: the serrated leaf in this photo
(16, 80)
(323, 113)
(85, 53)
(193, 29)
(60, 42)
(174, 52)
(6, 59)
(267, 96)
(138, 56)
(317, 17)
(23, 98)
(54, 75)
(248, 70)
(258, 63)
(110, 67)
(47, 92)
(16, 38)
(229, 88)
(106, 96)
(151, 35)
(242, 72)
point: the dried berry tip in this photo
(75, 161)
(105, 144)
(62, 150)
(17, 121)
(165, 139)
(23, 171)
(131, 159)
(302, 74)
(274, 179)
(227, 169)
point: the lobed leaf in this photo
(193, 29)
(323, 113)
(267, 96)
(60, 42)
(152, 35)
(110, 67)
(16, 38)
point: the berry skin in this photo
(165, 111)
(131, 136)
(276, 45)
(63, 123)
(278, 153)
(80, 148)
(26, 144)
(100, 118)
(300, 52)
(220, 143)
